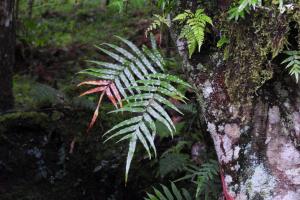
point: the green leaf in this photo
(176, 191)
(131, 150)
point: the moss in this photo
(254, 42)
(29, 118)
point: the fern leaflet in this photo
(134, 85)
(148, 106)
(243, 6)
(169, 194)
(293, 63)
(115, 80)
(202, 175)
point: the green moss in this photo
(254, 42)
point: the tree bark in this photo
(250, 104)
(7, 53)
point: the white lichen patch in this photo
(283, 156)
(227, 154)
(290, 195)
(236, 152)
(220, 128)
(211, 128)
(234, 111)
(232, 131)
(223, 145)
(228, 179)
(274, 115)
(207, 89)
(294, 175)
(260, 183)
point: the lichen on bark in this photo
(242, 96)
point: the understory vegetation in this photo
(103, 109)
(48, 127)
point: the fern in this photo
(244, 6)
(134, 85)
(172, 162)
(158, 22)
(114, 78)
(169, 194)
(293, 63)
(202, 176)
(148, 106)
(222, 41)
(194, 28)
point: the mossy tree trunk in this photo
(7, 53)
(249, 102)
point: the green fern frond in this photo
(169, 194)
(130, 66)
(172, 162)
(149, 106)
(293, 63)
(145, 92)
(158, 22)
(243, 6)
(194, 28)
(222, 41)
(202, 175)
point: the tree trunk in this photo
(7, 53)
(30, 8)
(250, 104)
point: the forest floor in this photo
(50, 119)
(45, 150)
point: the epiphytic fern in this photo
(148, 107)
(169, 194)
(114, 78)
(202, 176)
(243, 6)
(293, 63)
(145, 93)
(194, 28)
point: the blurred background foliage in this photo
(45, 152)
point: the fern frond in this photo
(293, 63)
(115, 80)
(169, 194)
(172, 162)
(202, 175)
(149, 106)
(243, 6)
(134, 85)
(194, 28)
(158, 22)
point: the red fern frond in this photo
(105, 87)
(225, 191)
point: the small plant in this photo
(243, 6)
(223, 41)
(293, 63)
(169, 194)
(194, 28)
(202, 176)
(135, 85)
(158, 22)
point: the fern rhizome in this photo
(135, 84)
